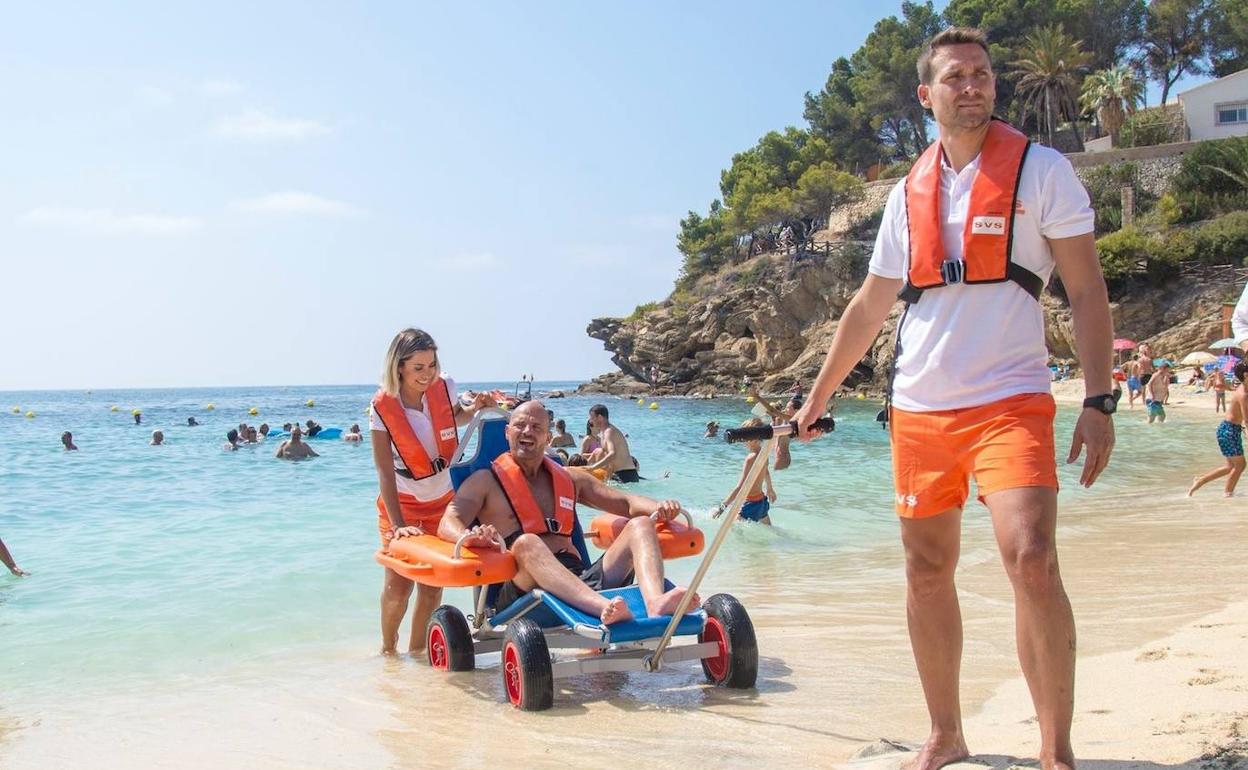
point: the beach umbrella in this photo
(1225, 342)
(1124, 344)
(1198, 358)
(1227, 363)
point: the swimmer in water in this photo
(294, 448)
(231, 441)
(67, 439)
(158, 437)
(191, 422)
(353, 436)
(264, 429)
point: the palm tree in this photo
(1112, 94)
(1235, 164)
(1047, 76)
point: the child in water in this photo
(757, 505)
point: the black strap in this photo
(1027, 280)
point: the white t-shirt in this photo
(422, 489)
(1239, 319)
(967, 345)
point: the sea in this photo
(183, 598)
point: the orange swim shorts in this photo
(416, 513)
(1005, 445)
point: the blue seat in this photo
(547, 610)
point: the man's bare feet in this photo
(667, 603)
(938, 751)
(616, 611)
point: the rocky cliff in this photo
(771, 320)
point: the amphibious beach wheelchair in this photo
(528, 629)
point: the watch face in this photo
(1110, 406)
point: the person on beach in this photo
(7, 559)
(757, 503)
(712, 429)
(231, 441)
(413, 423)
(158, 437)
(528, 502)
(67, 440)
(968, 241)
(1230, 436)
(293, 448)
(780, 417)
(562, 438)
(353, 435)
(1134, 387)
(1158, 391)
(615, 455)
(1147, 368)
(1217, 383)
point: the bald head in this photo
(528, 433)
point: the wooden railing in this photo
(1229, 274)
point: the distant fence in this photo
(1228, 274)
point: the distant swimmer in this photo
(615, 456)
(286, 427)
(295, 448)
(67, 439)
(252, 436)
(757, 504)
(264, 429)
(191, 422)
(7, 559)
(1230, 435)
(353, 436)
(712, 429)
(313, 428)
(231, 441)
(562, 438)
(138, 418)
(158, 437)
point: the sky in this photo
(253, 194)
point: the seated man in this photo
(531, 502)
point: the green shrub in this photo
(641, 310)
(1223, 241)
(1119, 252)
(1211, 179)
(896, 170)
(1159, 125)
(866, 228)
(1105, 183)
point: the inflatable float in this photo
(430, 560)
(676, 539)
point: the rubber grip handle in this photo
(764, 432)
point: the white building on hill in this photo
(1217, 109)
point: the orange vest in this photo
(441, 413)
(988, 235)
(532, 519)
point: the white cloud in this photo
(108, 222)
(221, 88)
(296, 203)
(259, 126)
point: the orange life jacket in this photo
(532, 519)
(988, 235)
(441, 413)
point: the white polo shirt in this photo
(971, 344)
(437, 485)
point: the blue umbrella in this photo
(1227, 363)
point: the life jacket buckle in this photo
(953, 271)
(439, 464)
(552, 526)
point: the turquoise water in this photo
(155, 563)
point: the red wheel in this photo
(716, 668)
(448, 641)
(512, 678)
(436, 647)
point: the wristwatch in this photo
(1106, 403)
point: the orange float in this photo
(598, 473)
(676, 539)
(433, 561)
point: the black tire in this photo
(528, 679)
(728, 621)
(448, 641)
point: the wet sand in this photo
(1155, 572)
